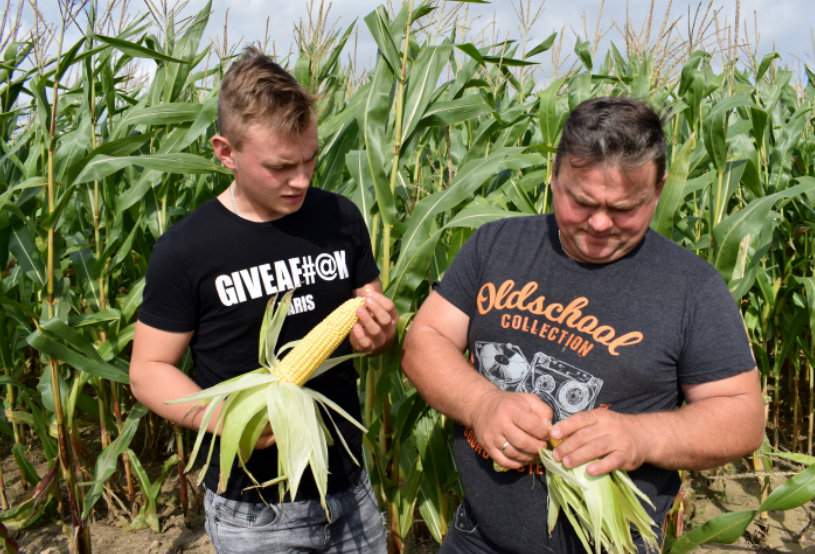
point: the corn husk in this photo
(259, 398)
(602, 510)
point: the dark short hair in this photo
(255, 89)
(621, 130)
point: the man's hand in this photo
(721, 420)
(614, 440)
(266, 438)
(511, 426)
(377, 321)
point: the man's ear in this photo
(223, 150)
(661, 184)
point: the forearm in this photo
(443, 376)
(155, 383)
(703, 434)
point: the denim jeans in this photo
(356, 524)
(463, 537)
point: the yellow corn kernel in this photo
(312, 350)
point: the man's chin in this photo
(604, 255)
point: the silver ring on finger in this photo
(504, 446)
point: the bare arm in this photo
(433, 360)
(720, 421)
(155, 379)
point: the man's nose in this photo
(302, 176)
(600, 221)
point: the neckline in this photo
(574, 266)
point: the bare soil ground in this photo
(708, 494)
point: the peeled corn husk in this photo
(601, 510)
(262, 397)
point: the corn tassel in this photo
(312, 350)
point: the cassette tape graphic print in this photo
(566, 388)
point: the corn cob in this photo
(311, 351)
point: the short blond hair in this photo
(255, 89)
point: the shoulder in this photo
(323, 202)
(332, 212)
(192, 232)
(205, 216)
(671, 260)
(513, 229)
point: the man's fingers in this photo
(381, 309)
(605, 465)
(265, 441)
(567, 427)
(360, 339)
(368, 322)
(534, 418)
(521, 443)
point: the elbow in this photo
(136, 382)
(758, 430)
(753, 433)
(407, 358)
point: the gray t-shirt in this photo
(625, 335)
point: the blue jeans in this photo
(356, 524)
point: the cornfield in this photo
(103, 145)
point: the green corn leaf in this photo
(57, 339)
(107, 460)
(472, 51)
(432, 518)
(357, 164)
(27, 469)
(421, 86)
(751, 221)
(715, 128)
(451, 112)
(543, 46)
(477, 213)
(373, 121)
(102, 166)
(766, 61)
(674, 190)
(27, 254)
(583, 51)
(795, 492)
(723, 529)
(170, 113)
(236, 416)
(378, 24)
(137, 50)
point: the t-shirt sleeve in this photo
(716, 344)
(460, 283)
(169, 301)
(365, 269)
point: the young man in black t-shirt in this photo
(587, 327)
(208, 282)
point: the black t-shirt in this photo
(213, 272)
(626, 334)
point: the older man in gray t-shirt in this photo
(586, 327)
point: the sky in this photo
(786, 26)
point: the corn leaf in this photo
(247, 403)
